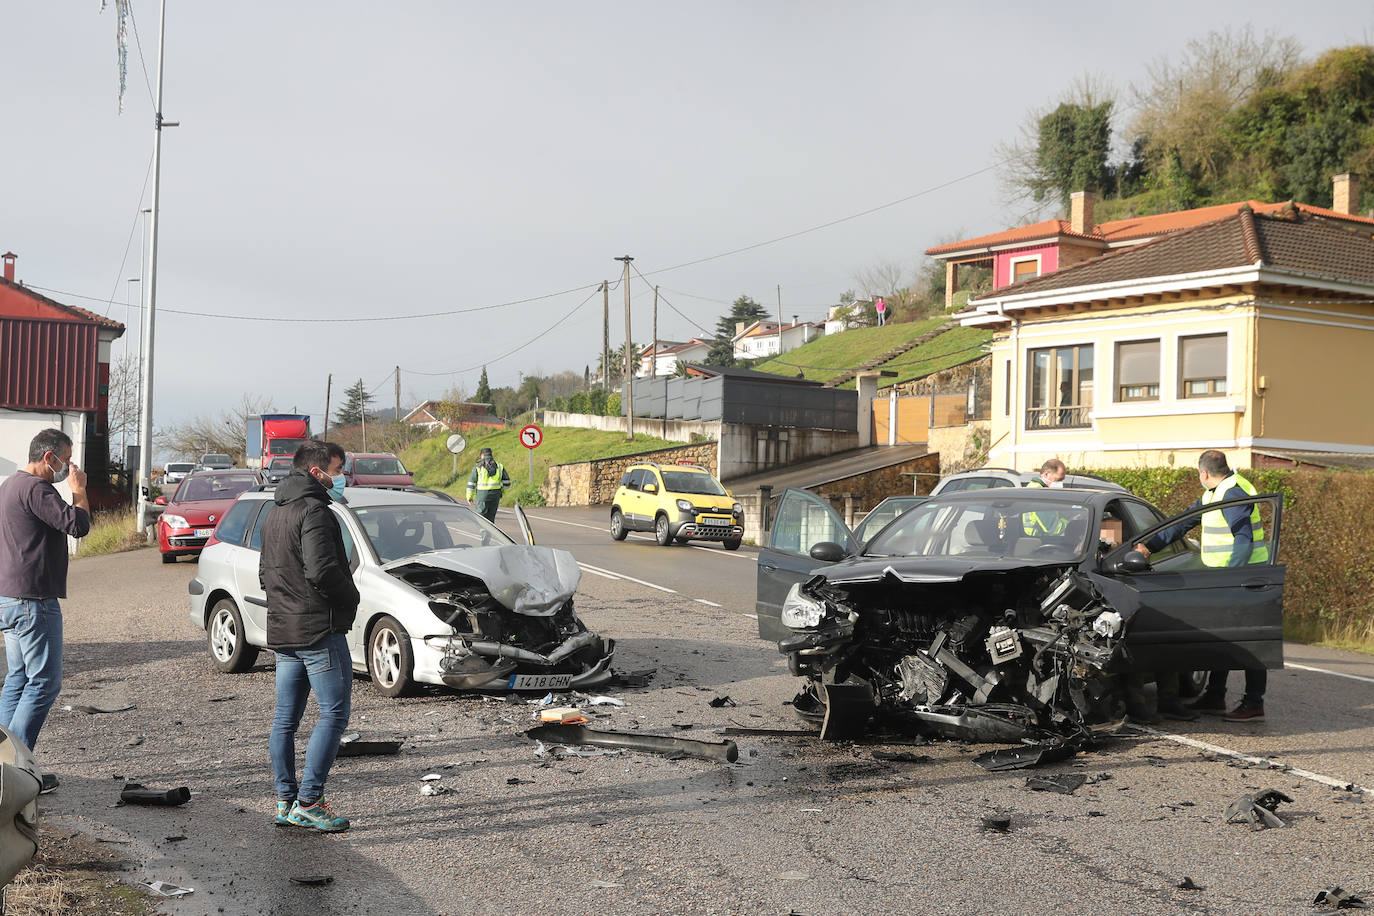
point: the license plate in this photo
(714, 521)
(204, 532)
(539, 682)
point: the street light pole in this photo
(629, 371)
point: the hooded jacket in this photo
(303, 567)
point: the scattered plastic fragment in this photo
(997, 823)
(353, 745)
(431, 777)
(639, 678)
(134, 742)
(722, 751)
(1063, 783)
(224, 699)
(135, 793)
(559, 751)
(97, 711)
(603, 884)
(433, 788)
(312, 880)
(604, 701)
(901, 757)
(1025, 756)
(1338, 897)
(809, 810)
(720, 701)
(517, 781)
(163, 889)
(1188, 884)
(794, 876)
(1257, 809)
(174, 839)
(565, 715)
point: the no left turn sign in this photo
(531, 436)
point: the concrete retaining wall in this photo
(677, 430)
(591, 483)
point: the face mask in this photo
(1058, 484)
(336, 487)
(60, 475)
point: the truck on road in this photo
(273, 435)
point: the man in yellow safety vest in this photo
(1230, 537)
(1040, 524)
(487, 482)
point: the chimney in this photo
(739, 328)
(1081, 211)
(1345, 196)
(9, 257)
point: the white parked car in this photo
(447, 597)
(176, 471)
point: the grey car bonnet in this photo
(528, 580)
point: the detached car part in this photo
(720, 751)
(1257, 809)
(20, 783)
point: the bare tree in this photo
(222, 434)
(123, 404)
(896, 282)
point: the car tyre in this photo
(734, 543)
(390, 662)
(229, 648)
(618, 530)
(169, 558)
(662, 534)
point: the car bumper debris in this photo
(720, 751)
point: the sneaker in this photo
(283, 812)
(50, 784)
(1212, 704)
(1178, 712)
(318, 816)
(1246, 710)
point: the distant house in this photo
(761, 338)
(663, 357)
(438, 416)
(834, 324)
(54, 372)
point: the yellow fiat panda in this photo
(677, 502)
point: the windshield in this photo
(378, 466)
(216, 459)
(691, 482)
(280, 464)
(403, 531)
(214, 486)
(180, 468)
(282, 446)
(1023, 528)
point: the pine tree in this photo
(356, 399)
(483, 393)
(743, 309)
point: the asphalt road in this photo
(795, 826)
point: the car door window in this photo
(882, 514)
(803, 521)
(255, 541)
(234, 525)
(1182, 549)
(651, 478)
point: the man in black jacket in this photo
(311, 603)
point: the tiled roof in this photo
(1288, 240)
(1135, 227)
(74, 311)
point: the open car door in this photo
(525, 530)
(803, 520)
(1182, 615)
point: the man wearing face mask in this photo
(1047, 524)
(311, 604)
(35, 522)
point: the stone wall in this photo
(592, 483)
(960, 447)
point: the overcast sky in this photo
(350, 160)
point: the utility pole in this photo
(328, 390)
(655, 364)
(779, 319)
(397, 418)
(605, 336)
(629, 387)
(145, 457)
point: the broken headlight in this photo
(800, 612)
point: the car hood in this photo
(527, 580)
(199, 512)
(924, 569)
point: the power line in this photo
(138, 211)
(665, 301)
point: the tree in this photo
(223, 434)
(123, 399)
(483, 393)
(900, 289)
(1062, 149)
(745, 310)
(354, 409)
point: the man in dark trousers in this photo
(311, 603)
(35, 522)
(1233, 536)
(487, 482)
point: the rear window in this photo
(180, 468)
(216, 459)
(378, 466)
(280, 464)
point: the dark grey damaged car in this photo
(1004, 615)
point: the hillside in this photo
(830, 356)
(432, 464)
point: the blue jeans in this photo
(327, 669)
(33, 655)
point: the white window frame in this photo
(1162, 340)
(1179, 392)
(1012, 262)
(1026, 348)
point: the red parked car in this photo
(376, 469)
(197, 506)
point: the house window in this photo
(1059, 387)
(1137, 370)
(1202, 366)
(1006, 389)
(1025, 269)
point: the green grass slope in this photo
(823, 359)
(432, 464)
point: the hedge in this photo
(1328, 532)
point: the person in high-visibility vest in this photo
(1040, 524)
(487, 482)
(1230, 537)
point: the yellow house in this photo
(1253, 334)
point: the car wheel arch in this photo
(213, 599)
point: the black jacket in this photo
(303, 567)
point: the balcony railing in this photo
(1058, 417)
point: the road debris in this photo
(638, 678)
(997, 823)
(97, 711)
(1188, 884)
(722, 751)
(164, 889)
(431, 777)
(353, 745)
(1339, 898)
(135, 742)
(135, 793)
(793, 876)
(901, 757)
(559, 751)
(718, 702)
(1025, 756)
(606, 884)
(312, 880)
(565, 715)
(742, 732)
(1063, 783)
(1257, 809)
(599, 701)
(433, 788)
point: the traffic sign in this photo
(531, 436)
(456, 443)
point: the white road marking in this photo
(752, 616)
(708, 603)
(599, 572)
(1258, 761)
(640, 536)
(597, 569)
(1353, 677)
(559, 521)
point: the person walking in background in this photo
(881, 307)
(311, 604)
(487, 482)
(1230, 537)
(35, 522)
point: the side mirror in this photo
(1133, 562)
(160, 501)
(827, 552)
(651, 488)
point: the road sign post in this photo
(456, 443)
(531, 437)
